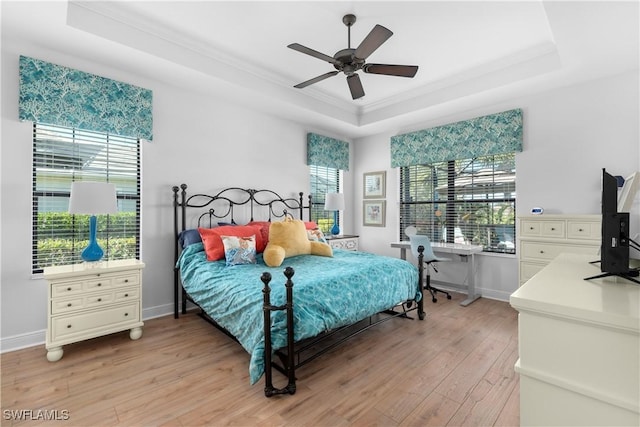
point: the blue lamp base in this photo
(93, 252)
(335, 230)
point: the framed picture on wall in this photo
(374, 213)
(375, 185)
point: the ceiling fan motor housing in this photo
(350, 63)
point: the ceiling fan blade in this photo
(355, 86)
(374, 40)
(391, 70)
(314, 53)
(316, 79)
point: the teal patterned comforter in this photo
(327, 293)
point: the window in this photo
(462, 201)
(323, 180)
(62, 155)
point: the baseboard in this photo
(32, 339)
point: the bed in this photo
(261, 308)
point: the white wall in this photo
(570, 134)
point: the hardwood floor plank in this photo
(456, 367)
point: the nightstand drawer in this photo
(66, 289)
(66, 305)
(111, 318)
(127, 294)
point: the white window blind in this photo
(462, 201)
(62, 155)
(323, 180)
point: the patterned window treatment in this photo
(327, 152)
(62, 96)
(493, 134)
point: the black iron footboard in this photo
(291, 358)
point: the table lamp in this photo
(92, 198)
(334, 202)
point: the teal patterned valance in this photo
(327, 152)
(53, 94)
(481, 136)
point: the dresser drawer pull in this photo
(126, 295)
(541, 252)
(69, 288)
(99, 299)
(69, 305)
(99, 284)
(580, 229)
(126, 280)
(126, 314)
(68, 326)
(553, 229)
(530, 228)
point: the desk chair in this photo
(429, 259)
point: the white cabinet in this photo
(541, 238)
(92, 299)
(345, 241)
(579, 346)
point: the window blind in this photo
(323, 180)
(62, 155)
(462, 201)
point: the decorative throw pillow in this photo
(264, 230)
(212, 241)
(189, 237)
(316, 235)
(239, 250)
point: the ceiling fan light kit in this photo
(350, 60)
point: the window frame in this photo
(54, 168)
(333, 182)
(500, 222)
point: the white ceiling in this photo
(473, 51)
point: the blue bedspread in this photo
(328, 293)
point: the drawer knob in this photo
(99, 284)
(541, 252)
(68, 326)
(580, 229)
(69, 288)
(553, 229)
(126, 280)
(126, 314)
(99, 299)
(69, 305)
(126, 295)
(530, 228)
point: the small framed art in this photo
(374, 213)
(375, 185)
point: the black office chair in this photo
(429, 258)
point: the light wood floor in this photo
(455, 368)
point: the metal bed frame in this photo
(221, 206)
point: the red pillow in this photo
(212, 241)
(264, 230)
(310, 225)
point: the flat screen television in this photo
(614, 247)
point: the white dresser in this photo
(343, 241)
(541, 238)
(89, 300)
(579, 346)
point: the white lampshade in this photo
(334, 202)
(93, 198)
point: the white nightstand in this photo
(343, 241)
(90, 300)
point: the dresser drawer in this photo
(548, 251)
(127, 294)
(126, 280)
(583, 230)
(552, 229)
(97, 284)
(112, 318)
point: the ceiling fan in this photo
(350, 60)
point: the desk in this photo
(466, 252)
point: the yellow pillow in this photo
(289, 238)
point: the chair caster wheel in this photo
(448, 296)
